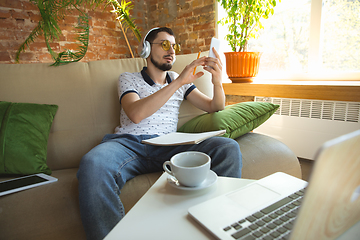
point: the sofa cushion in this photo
(236, 119)
(24, 132)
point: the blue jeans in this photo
(118, 158)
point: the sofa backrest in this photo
(86, 94)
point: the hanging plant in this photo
(54, 11)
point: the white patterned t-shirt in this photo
(165, 119)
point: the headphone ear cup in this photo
(146, 49)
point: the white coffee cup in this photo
(189, 168)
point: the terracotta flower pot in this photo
(242, 66)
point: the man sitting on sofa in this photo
(150, 102)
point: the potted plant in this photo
(244, 22)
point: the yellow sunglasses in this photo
(166, 46)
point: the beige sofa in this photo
(86, 94)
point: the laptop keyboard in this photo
(272, 222)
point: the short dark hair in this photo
(153, 34)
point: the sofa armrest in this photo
(264, 155)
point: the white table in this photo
(162, 213)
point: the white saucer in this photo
(209, 181)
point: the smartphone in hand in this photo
(215, 43)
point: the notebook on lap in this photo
(280, 206)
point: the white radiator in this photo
(304, 125)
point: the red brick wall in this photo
(193, 22)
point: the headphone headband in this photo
(146, 48)
(150, 32)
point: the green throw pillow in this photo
(236, 119)
(24, 132)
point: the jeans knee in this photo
(226, 157)
(227, 145)
(90, 167)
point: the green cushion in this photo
(236, 119)
(24, 132)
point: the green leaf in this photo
(69, 56)
(37, 31)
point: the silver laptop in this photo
(281, 206)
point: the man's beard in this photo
(163, 67)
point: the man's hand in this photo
(214, 66)
(187, 76)
(198, 99)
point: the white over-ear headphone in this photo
(145, 49)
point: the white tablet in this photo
(216, 44)
(22, 183)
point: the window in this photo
(304, 39)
